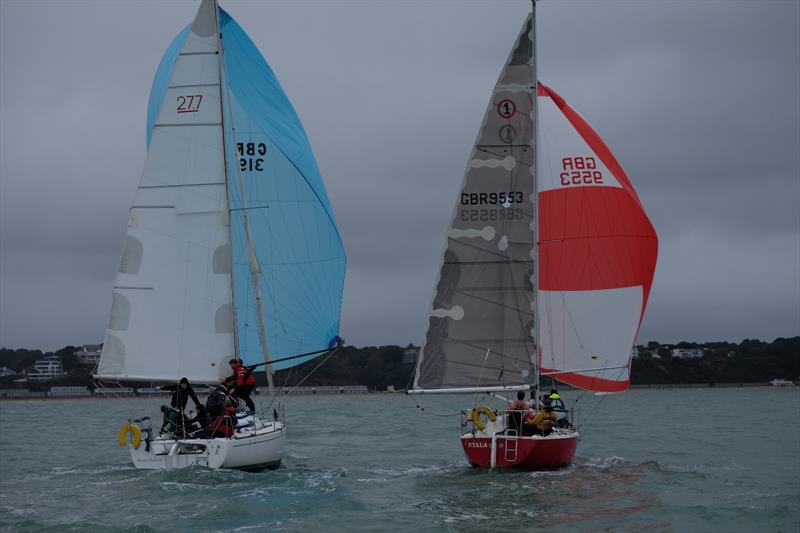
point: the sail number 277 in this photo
(580, 171)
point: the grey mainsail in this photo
(481, 329)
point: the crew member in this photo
(169, 422)
(544, 420)
(241, 382)
(556, 401)
(224, 424)
(515, 410)
(180, 397)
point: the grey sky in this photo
(700, 101)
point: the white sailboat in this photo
(546, 272)
(232, 247)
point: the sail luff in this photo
(535, 175)
(227, 176)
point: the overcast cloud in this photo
(700, 101)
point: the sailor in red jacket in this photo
(224, 424)
(241, 383)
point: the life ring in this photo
(474, 416)
(136, 435)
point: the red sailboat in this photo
(547, 270)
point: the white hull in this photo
(254, 448)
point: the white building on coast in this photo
(45, 369)
(687, 353)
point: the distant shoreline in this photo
(660, 386)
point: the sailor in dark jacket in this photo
(180, 397)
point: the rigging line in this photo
(306, 312)
(498, 304)
(480, 374)
(269, 292)
(319, 298)
(251, 367)
(572, 321)
(475, 247)
(308, 285)
(248, 208)
(330, 215)
(274, 282)
(418, 402)
(548, 305)
(322, 362)
(317, 285)
(511, 172)
(591, 415)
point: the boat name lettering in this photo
(484, 215)
(251, 149)
(580, 171)
(189, 103)
(492, 198)
(482, 445)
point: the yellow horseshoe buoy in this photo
(474, 416)
(136, 435)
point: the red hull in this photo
(530, 453)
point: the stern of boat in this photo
(496, 446)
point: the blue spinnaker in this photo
(292, 226)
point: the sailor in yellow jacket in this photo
(544, 420)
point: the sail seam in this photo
(162, 124)
(167, 186)
(193, 85)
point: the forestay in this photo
(481, 328)
(597, 253)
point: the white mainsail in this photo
(171, 312)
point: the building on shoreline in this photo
(687, 353)
(89, 354)
(45, 369)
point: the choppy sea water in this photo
(655, 460)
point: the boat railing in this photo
(511, 421)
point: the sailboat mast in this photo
(255, 268)
(225, 169)
(535, 175)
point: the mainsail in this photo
(481, 324)
(588, 276)
(183, 298)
